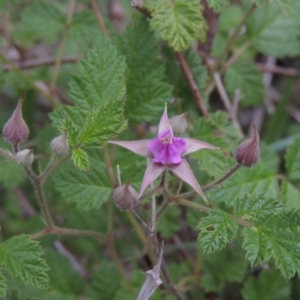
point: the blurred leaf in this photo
(21, 256)
(178, 21)
(269, 285)
(80, 159)
(218, 5)
(216, 231)
(169, 224)
(87, 190)
(292, 160)
(290, 195)
(274, 32)
(248, 80)
(146, 90)
(2, 286)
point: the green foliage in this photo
(273, 32)
(170, 222)
(216, 231)
(218, 5)
(80, 159)
(87, 190)
(146, 90)
(2, 286)
(103, 123)
(248, 80)
(21, 256)
(292, 160)
(227, 265)
(290, 195)
(274, 233)
(73, 132)
(178, 21)
(106, 281)
(269, 285)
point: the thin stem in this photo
(235, 35)
(62, 45)
(162, 209)
(29, 81)
(33, 63)
(155, 190)
(99, 17)
(137, 228)
(226, 101)
(192, 84)
(278, 70)
(135, 4)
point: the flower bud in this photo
(15, 130)
(247, 153)
(25, 157)
(125, 197)
(60, 144)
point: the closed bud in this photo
(125, 197)
(15, 130)
(247, 153)
(60, 144)
(25, 157)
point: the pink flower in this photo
(167, 152)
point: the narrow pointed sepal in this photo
(164, 123)
(179, 123)
(185, 173)
(152, 172)
(139, 147)
(193, 145)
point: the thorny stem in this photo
(62, 45)
(29, 80)
(235, 35)
(192, 84)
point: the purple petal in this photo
(184, 172)
(164, 123)
(179, 123)
(139, 147)
(152, 172)
(193, 145)
(175, 150)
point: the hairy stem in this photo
(99, 17)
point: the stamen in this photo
(166, 140)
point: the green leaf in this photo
(178, 21)
(218, 268)
(73, 131)
(21, 256)
(87, 190)
(256, 207)
(248, 80)
(274, 32)
(269, 285)
(103, 123)
(146, 90)
(275, 236)
(256, 179)
(290, 195)
(216, 231)
(218, 5)
(80, 159)
(106, 281)
(169, 225)
(100, 79)
(292, 160)
(2, 286)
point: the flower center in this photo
(166, 140)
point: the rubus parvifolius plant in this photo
(168, 168)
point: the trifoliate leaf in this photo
(290, 195)
(100, 79)
(146, 90)
(218, 5)
(21, 256)
(268, 285)
(256, 207)
(275, 236)
(248, 80)
(177, 21)
(256, 179)
(103, 123)
(80, 159)
(2, 286)
(88, 190)
(274, 32)
(292, 160)
(216, 231)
